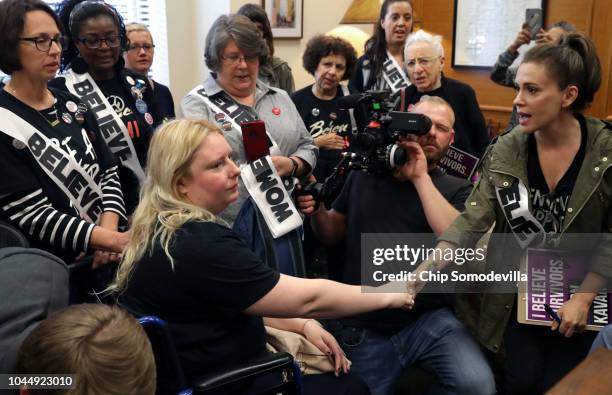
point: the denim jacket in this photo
(588, 211)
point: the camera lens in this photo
(396, 155)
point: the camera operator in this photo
(414, 198)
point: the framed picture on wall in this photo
(286, 17)
(485, 28)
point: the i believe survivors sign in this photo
(553, 277)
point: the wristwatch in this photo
(295, 166)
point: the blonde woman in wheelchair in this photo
(186, 266)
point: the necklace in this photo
(53, 122)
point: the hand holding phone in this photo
(534, 19)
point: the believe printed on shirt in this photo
(322, 117)
(330, 120)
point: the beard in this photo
(433, 157)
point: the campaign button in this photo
(276, 111)
(141, 106)
(18, 144)
(71, 106)
(79, 117)
(67, 118)
(130, 80)
(149, 118)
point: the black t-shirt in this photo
(215, 278)
(548, 207)
(163, 101)
(323, 117)
(80, 139)
(386, 205)
(471, 134)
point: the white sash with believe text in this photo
(514, 201)
(230, 110)
(113, 130)
(394, 75)
(83, 192)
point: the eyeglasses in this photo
(138, 47)
(423, 62)
(43, 43)
(95, 43)
(234, 59)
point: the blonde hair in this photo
(105, 349)
(137, 27)
(162, 208)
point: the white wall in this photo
(189, 21)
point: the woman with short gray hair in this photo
(233, 94)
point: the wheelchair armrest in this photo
(261, 365)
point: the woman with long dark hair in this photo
(382, 65)
(545, 184)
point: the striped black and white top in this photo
(31, 200)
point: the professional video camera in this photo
(374, 147)
(378, 131)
